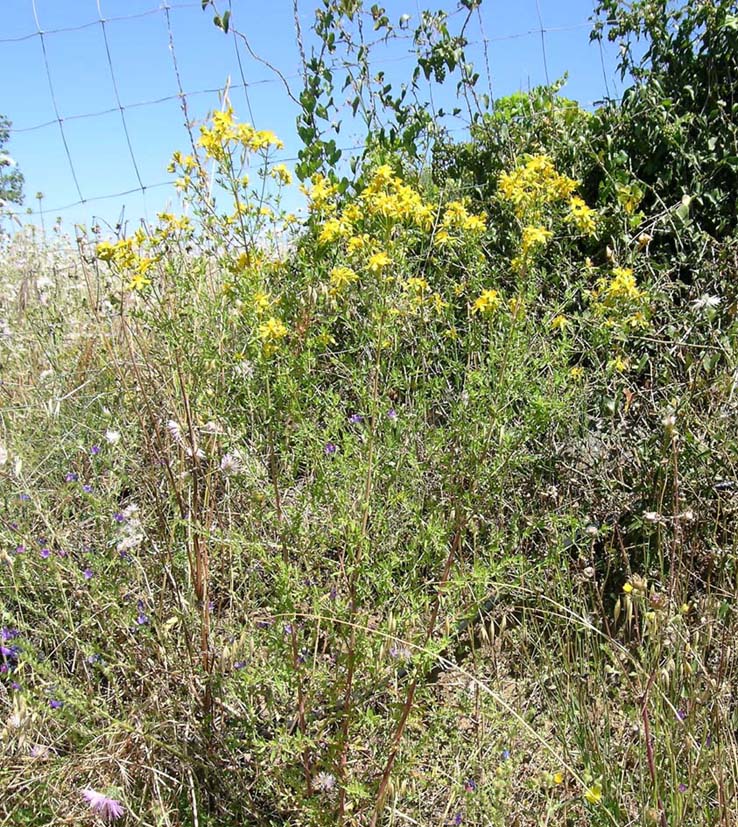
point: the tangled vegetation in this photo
(416, 509)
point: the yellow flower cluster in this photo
(340, 278)
(584, 218)
(487, 303)
(271, 332)
(534, 185)
(126, 259)
(619, 289)
(321, 194)
(387, 197)
(224, 134)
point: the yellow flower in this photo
(417, 285)
(332, 229)
(476, 223)
(594, 794)
(341, 277)
(622, 286)
(138, 282)
(378, 262)
(534, 237)
(272, 330)
(262, 301)
(487, 303)
(559, 322)
(628, 588)
(105, 251)
(558, 777)
(357, 243)
(576, 372)
(584, 218)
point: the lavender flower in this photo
(45, 553)
(108, 808)
(8, 634)
(95, 450)
(324, 782)
(329, 449)
(71, 476)
(87, 488)
(88, 573)
(392, 414)
(55, 704)
(355, 419)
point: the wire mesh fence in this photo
(84, 161)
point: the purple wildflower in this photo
(72, 476)
(54, 704)
(20, 549)
(329, 449)
(239, 664)
(682, 788)
(142, 619)
(25, 497)
(505, 755)
(470, 785)
(681, 714)
(288, 628)
(355, 419)
(392, 414)
(45, 553)
(8, 634)
(108, 808)
(118, 517)
(458, 819)
(95, 450)
(87, 488)
(88, 573)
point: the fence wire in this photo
(184, 96)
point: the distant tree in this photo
(11, 179)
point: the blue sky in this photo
(143, 70)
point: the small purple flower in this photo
(142, 619)
(61, 552)
(329, 449)
(355, 419)
(45, 553)
(682, 788)
(25, 497)
(681, 714)
(239, 664)
(54, 704)
(72, 476)
(118, 517)
(15, 686)
(458, 819)
(108, 808)
(8, 634)
(95, 450)
(470, 785)
(88, 573)
(87, 488)
(288, 628)
(263, 624)
(505, 755)
(20, 549)
(10, 653)
(392, 414)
